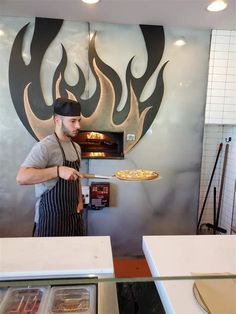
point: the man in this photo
(53, 166)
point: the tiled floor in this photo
(131, 267)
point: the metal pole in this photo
(222, 183)
(209, 185)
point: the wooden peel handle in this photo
(93, 176)
(88, 175)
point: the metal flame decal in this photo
(100, 111)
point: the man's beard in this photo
(66, 132)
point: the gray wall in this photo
(172, 145)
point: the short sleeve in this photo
(38, 157)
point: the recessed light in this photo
(180, 42)
(217, 5)
(90, 1)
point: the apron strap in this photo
(34, 230)
(62, 151)
(75, 150)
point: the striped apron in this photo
(58, 207)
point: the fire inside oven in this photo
(101, 144)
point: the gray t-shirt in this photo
(46, 154)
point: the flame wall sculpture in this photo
(100, 110)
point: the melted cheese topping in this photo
(136, 174)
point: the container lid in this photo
(24, 300)
(79, 299)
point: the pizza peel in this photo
(134, 175)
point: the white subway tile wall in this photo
(220, 125)
(221, 92)
(228, 205)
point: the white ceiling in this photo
(179, 13)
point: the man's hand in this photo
(68, 173)
(80, 206)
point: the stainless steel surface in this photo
(107, 298)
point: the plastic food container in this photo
(79, 299)
(2, 293)
(24, 300)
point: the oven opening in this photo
(101, 144)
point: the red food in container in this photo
(24, 300)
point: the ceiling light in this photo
(217, 5)
(180, 42)
(90, 1)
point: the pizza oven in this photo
(101, 145)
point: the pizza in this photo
(136, 174)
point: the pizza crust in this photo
(136, 174)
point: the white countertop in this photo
(56, 256)
(182, 255)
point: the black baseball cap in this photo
(66, 107)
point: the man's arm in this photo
(30, 175)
